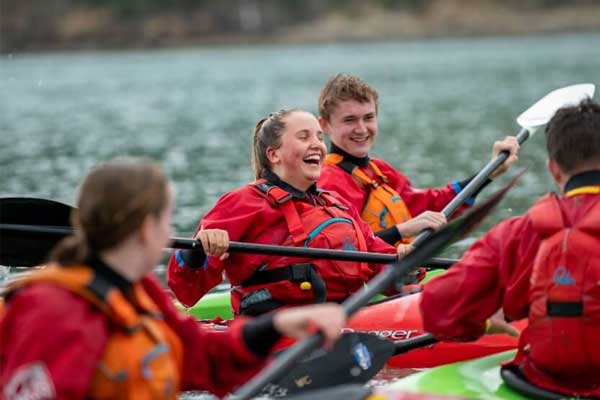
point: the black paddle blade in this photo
(355, 358)
(24, 248)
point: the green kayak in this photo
(477, 379)
(217, 305)
(211, 306)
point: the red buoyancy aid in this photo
(143, 357)
(294, 280)
(384, 206)
(564, 296)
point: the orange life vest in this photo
(564, 295)
(143, 357)
(384, 207)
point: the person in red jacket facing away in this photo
(283, 207)
(96, 324)
(385, 197)
(544, 265)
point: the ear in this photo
(324, 124)
(273, 155)
(145, 229)
(557, 174)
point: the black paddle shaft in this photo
(414, 343)
(472, 187)
(52, 234)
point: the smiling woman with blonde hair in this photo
(282, 207)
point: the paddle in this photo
(530, 121)
(457, 228)
(30, 227)
(355, 359)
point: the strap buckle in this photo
(278, 199)
(301, 272)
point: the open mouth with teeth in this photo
(360, 139)
(313, 159)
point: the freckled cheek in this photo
(297, 156)
(293, 159)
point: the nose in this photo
(360, 127)
(316, 142)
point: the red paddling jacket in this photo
(544, 265)
(358, 180)
(273, 212)
(69, 333)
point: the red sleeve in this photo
(418, 200)
(190, 284)
(56, 343)
(216, 361)
(493, 273)
(233, 212)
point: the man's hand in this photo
(511, 145)
(426, 220)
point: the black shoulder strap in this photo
(347, 166)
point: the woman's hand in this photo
(509, 144)
(426, 220)
(403, 249)
(215, 242)
(300, 322)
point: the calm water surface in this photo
(442, 105)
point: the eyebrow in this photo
(307, 131)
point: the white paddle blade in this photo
(541, 112)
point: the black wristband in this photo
(260, 334)
(192, 258)
(390, 235)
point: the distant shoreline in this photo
(269, 43)
(93, 28)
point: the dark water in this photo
(442, 105)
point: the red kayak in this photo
(399, 319)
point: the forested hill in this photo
(28, 25)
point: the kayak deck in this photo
(478, 379)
